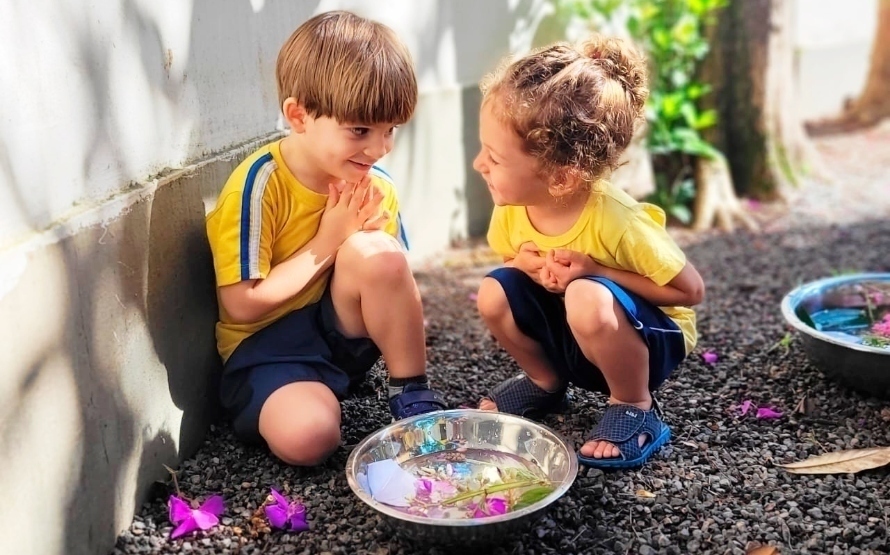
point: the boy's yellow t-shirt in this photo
(616, 231)
(262, 217)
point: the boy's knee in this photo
(307, 443)
(374, 256)
(491, 301)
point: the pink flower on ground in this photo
(188, 520)
(473, 297)
(285, 514)
(746, 406)
(768, 413)
(710, 357)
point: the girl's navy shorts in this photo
(302, 346)
(541, 315)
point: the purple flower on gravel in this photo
(710, 357)
(188, 520)
(746, 406)
(768, 413)
(473, 297)
(286, 515)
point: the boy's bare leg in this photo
(375, 295)
(301, 423)
(495, 311)
(609, 341)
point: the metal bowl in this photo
(463, 429)
(860, 367)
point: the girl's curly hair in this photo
(575, 107)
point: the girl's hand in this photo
(566, 265)
(530, 261)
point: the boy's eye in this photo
(391, 130)
(359, 131)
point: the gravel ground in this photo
(716, 487)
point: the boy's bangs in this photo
(371, 92)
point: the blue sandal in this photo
(415, 399)
(521, 396)
(622, 425)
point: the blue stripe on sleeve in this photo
(245, 212)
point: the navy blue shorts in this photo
(541, 315)
(303, 346)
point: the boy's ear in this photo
(295, 114)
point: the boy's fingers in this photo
(333, 196)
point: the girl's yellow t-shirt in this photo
(613, 229)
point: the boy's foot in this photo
(625, 437)
(521, 396)
(415, 398)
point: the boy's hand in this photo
(348, 209)
(565, 266)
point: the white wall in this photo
(833, 41)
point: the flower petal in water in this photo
(492, 506)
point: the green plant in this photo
(672, 33)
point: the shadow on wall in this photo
(148, 269)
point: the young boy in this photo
(313, 283)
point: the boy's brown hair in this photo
(349, 68)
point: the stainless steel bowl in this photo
(464, 429)
(860, 367)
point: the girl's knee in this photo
(590, 308)
(491, 300)
(308, 442)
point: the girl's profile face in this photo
(511, 174)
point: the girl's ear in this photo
(295, 114)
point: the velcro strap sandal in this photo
(415, 399)
(521, 396)
(622, 425)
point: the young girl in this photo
(593, 290)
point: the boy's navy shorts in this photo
(303, 346)
(541, 315)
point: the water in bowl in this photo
(473, 483)
(855, 313)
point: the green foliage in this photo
(672, 33)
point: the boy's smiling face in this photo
(512, 174)
(328, 151)
(345, 150)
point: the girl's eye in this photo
(492, 160)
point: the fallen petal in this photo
(710, 357)
(188, 525)
(767, 413)
(277, 515)
(179, 509)
(746, 406)
(214, 505)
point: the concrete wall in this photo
(834, 42)
(119, 122)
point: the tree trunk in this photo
(759, 130)
(874, 103)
